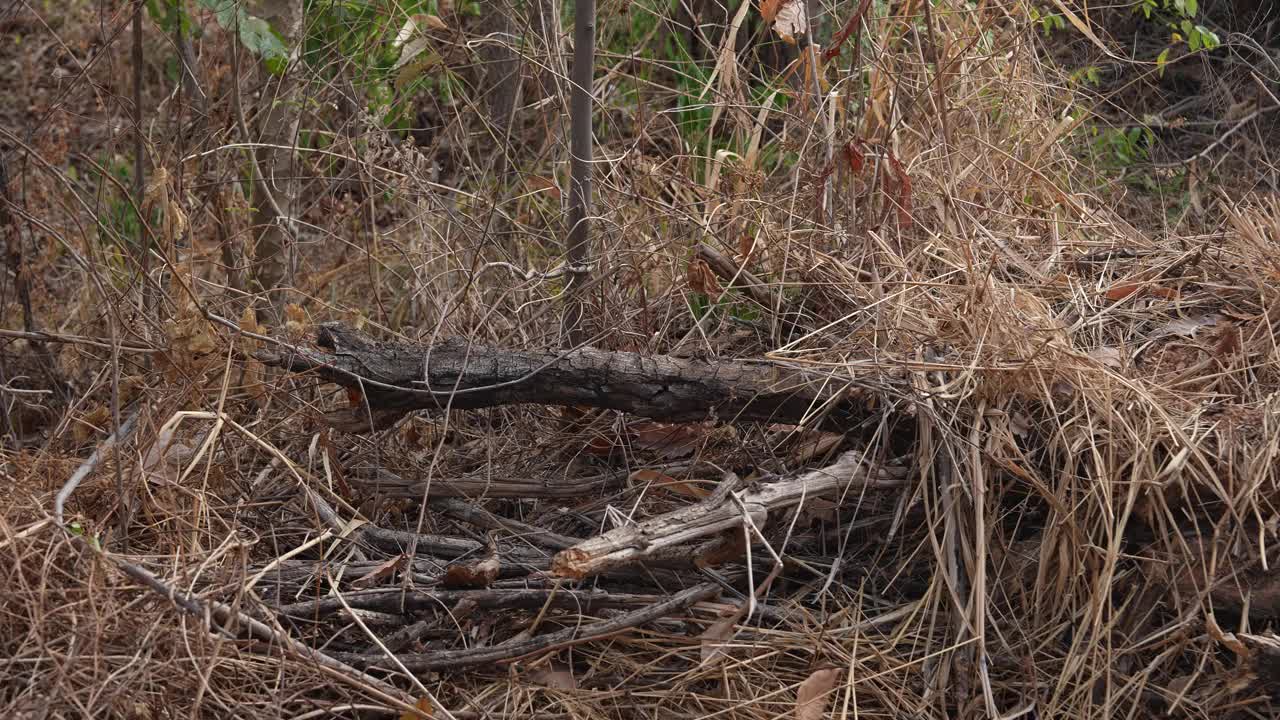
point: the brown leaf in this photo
(672, 440)
(425, 711)
(703, 280)
(667, 483)
(854, 155)
(556, 675)
(1120, 291)
(600, 446)
(815, 694)
(731, 546)
(850, 27)
(816, 445)
(790, 20)
(539, 183)
(1108, 355)
(1228, 341)
(385, 570)
(91, 423)
(716, 637)
(904, 191)
(476, 574)
(1130, 288)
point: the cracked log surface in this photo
(397, 377)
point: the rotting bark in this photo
(488, 485)
(719, 512)
(396, 378)
(514, 560)
(518, 648)
(401, 602)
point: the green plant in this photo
(1122, 147)
(1179, 16)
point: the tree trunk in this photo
(578, 250)
(275, 197)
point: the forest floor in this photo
(980, 345)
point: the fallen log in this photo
(396, 378)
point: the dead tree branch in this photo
(396, 378)
(632, 543)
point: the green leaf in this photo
(1161, 60)
(1190, 7)
(1208, 38)
(257, 36)
(224, 11)
(254, 32)
(1193, 41)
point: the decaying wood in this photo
(395, 378)
(405, 602)
(737, 277)
(485, 485)
(714, 514)
(477, 515)
(516, 649)
(515, 560)
(490, 485)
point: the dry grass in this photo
(1087, 406)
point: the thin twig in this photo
(122, 432)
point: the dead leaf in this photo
(1126, 289)
(1108, 355)
(416, 24)
(425, 711)
(1187, 326)
(384, 570)
(791, 21)
(815, 694)
(600, 446)
(556, 675)
(731, 546)
(854, 155)
(667, 483)
(671, 440)
(295, 322)
(716, 637)
(903, 199)
(703, 280)
(476, 574)
(1120, 291)
(91, 423)
(816, 444)
(1228, 341)
(539, 183)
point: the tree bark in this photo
(395, 378)
(275, 197)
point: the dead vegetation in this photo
(1023, 463)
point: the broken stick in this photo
(632, 543)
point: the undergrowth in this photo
(1080, 389)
